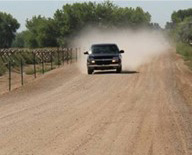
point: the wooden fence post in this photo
(71, 55)
(67, 55)
(21, 72)
(63, 55)
(34, 63)
(76, 54)
(9, 76)
(42, 61)
(51, 60)
(58, 57)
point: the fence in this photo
(18, 66)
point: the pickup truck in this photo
(104, 57)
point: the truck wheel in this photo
(90, 71)
(119, 70)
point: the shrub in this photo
(186, 51)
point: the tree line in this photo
(180, 26)
(68, 21)
(180, 29)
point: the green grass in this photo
(186, 51)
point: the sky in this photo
(21, 10)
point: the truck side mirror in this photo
(121, 51)
(86, 52)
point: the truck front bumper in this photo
(104, 66)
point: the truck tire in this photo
(90, 71)
(119, 70)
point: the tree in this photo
(41, 32)
(180, 15)
(184, 30)
(73, 17)
(19, 40)
(139, 17)
(181, 25)
(8, 27)
(155, 26)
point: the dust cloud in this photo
(140, 46)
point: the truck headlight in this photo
(115, 59)
(90, 60)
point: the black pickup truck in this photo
(104, 57)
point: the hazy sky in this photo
(21, 10)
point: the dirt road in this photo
(133, 113)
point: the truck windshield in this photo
(104, 49)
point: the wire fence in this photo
(19, 66)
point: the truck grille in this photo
(103, 57)
(103, 62)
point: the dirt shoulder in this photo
(184, 78)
